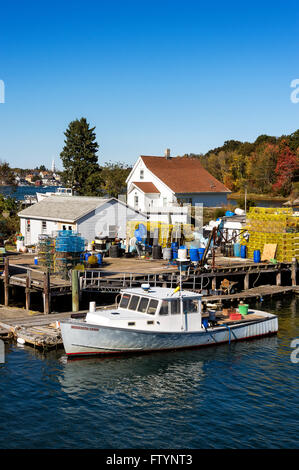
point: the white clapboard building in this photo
(160, 184)
(92, 217)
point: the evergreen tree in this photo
(79, 155)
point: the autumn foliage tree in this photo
(287, 166)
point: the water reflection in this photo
(160, 375)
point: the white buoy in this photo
(20, 341)
(92, 306)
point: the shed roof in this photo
(66, 208)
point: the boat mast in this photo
(181, 298)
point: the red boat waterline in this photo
(121, 353)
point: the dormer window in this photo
(141, 174)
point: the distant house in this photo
(165, 182)
(92, 217)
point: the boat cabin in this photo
(157, 308)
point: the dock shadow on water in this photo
(242, 395)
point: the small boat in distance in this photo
(60, 191)
(155, 319)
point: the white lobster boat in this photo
(155, 319)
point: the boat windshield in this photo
(189, 306)
(139, 304)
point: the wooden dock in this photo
(256, 293)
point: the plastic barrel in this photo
(257, 256)
(194, 256)
(201, 252)
(86, 256)
(243, 251)
(114, 251)
(237, 250)
(157, 252)
(182, 253)
(100, 259)
(167, 253)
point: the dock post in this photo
(278, 277)
(75, 291)
(246, 281)
(294, 271)
(6, 281)
(27, 290)
(46, 292)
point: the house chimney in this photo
(167, 154)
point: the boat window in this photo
(134, 302)
(143, 304)
(191, 305)
(174, 307)
(152, 307)
(164, 308)
(124, 301)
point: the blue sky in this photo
(150, 75)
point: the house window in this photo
(141, 174)
(44, 226)
(135, 201)
(70, 227)
(164, 201)
(27, 225)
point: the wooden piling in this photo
(46, 295)
(278, 278)
(294, 271)
(28, 289)
(246, 281)
(6, 281)
(75, 291)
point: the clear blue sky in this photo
(187, 75)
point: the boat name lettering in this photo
(85, 328)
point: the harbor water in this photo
(242, 395)
(19, 192)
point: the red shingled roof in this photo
(146, 187)
(183, 175)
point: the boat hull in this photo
(86, 339)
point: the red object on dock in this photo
(235, 316)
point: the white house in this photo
(92, 217)
(162, 183)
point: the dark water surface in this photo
(20, 192)
(243, 395)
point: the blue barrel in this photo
(175, 247)
(200, 252)
(100, 258)
(193, 252)
(243, 251)
(257, 256)
(237, 250)
(86, 256)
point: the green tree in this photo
(79, 156)
(113, 178)
(6, 174)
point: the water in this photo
(20, 192)
(243, 395)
